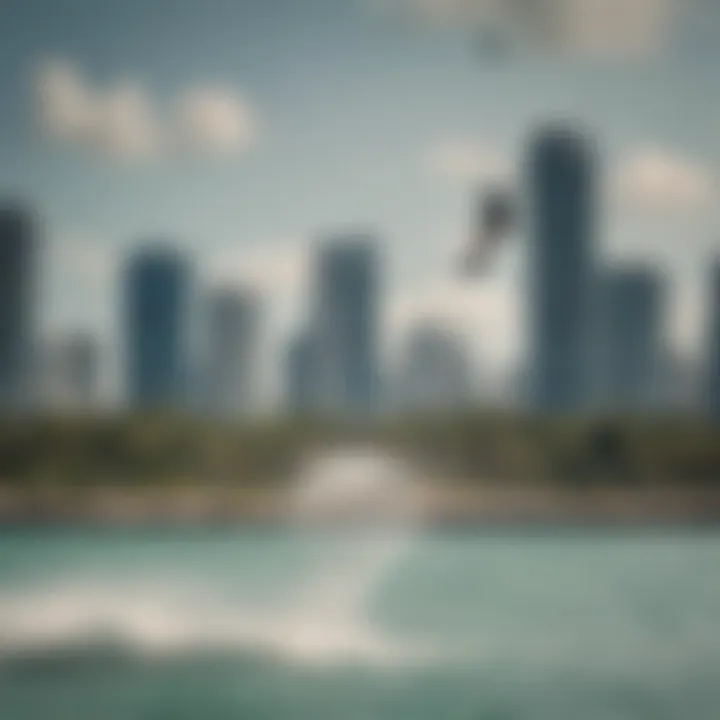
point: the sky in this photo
(246, 130)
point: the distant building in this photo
(157, 296)
(508, 389)
(233, 326)
(18, 288)
(346, 324)
(684, 380)
(630, 353)
(561, 184)
(712, 381)
(435, 371)
(71, 373)
(301, 381)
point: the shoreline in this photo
(435, 507)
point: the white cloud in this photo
(216, 121)
(468, 160)
(575, 26)
(64, 105)
(614, 26)
(652, 179)
(125, 122)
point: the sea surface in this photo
(297, 625)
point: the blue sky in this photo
(246, 129)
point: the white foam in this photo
(328, 620)
(155, 623)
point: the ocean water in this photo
(285, 625)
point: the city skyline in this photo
(124, 125)
(596, 330)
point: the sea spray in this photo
(325, 617)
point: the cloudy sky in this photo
(246, 129)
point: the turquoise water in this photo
(214, 625)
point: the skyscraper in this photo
(561, 179)
(712, 381)
(157, 294)
(435, 372)
(300, 374)
(629, 352)
(71, 372)
(346, 324)
(231, 366)
(18, 251)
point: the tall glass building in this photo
(71, 372)
(630, 349)
(231, 365)
(561, 177)
(436, 370)
(157, 296)
(712, 381)
(18, 289)
(300, 374)
(346, 324)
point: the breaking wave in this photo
(150, 623)
(323, 619)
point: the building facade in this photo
(712, 370)
(233, 324)
(301, 381)
(346, 324)
(157, 296)
(630, 351)
(18, 290)
(561, 177)
(435, 371)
